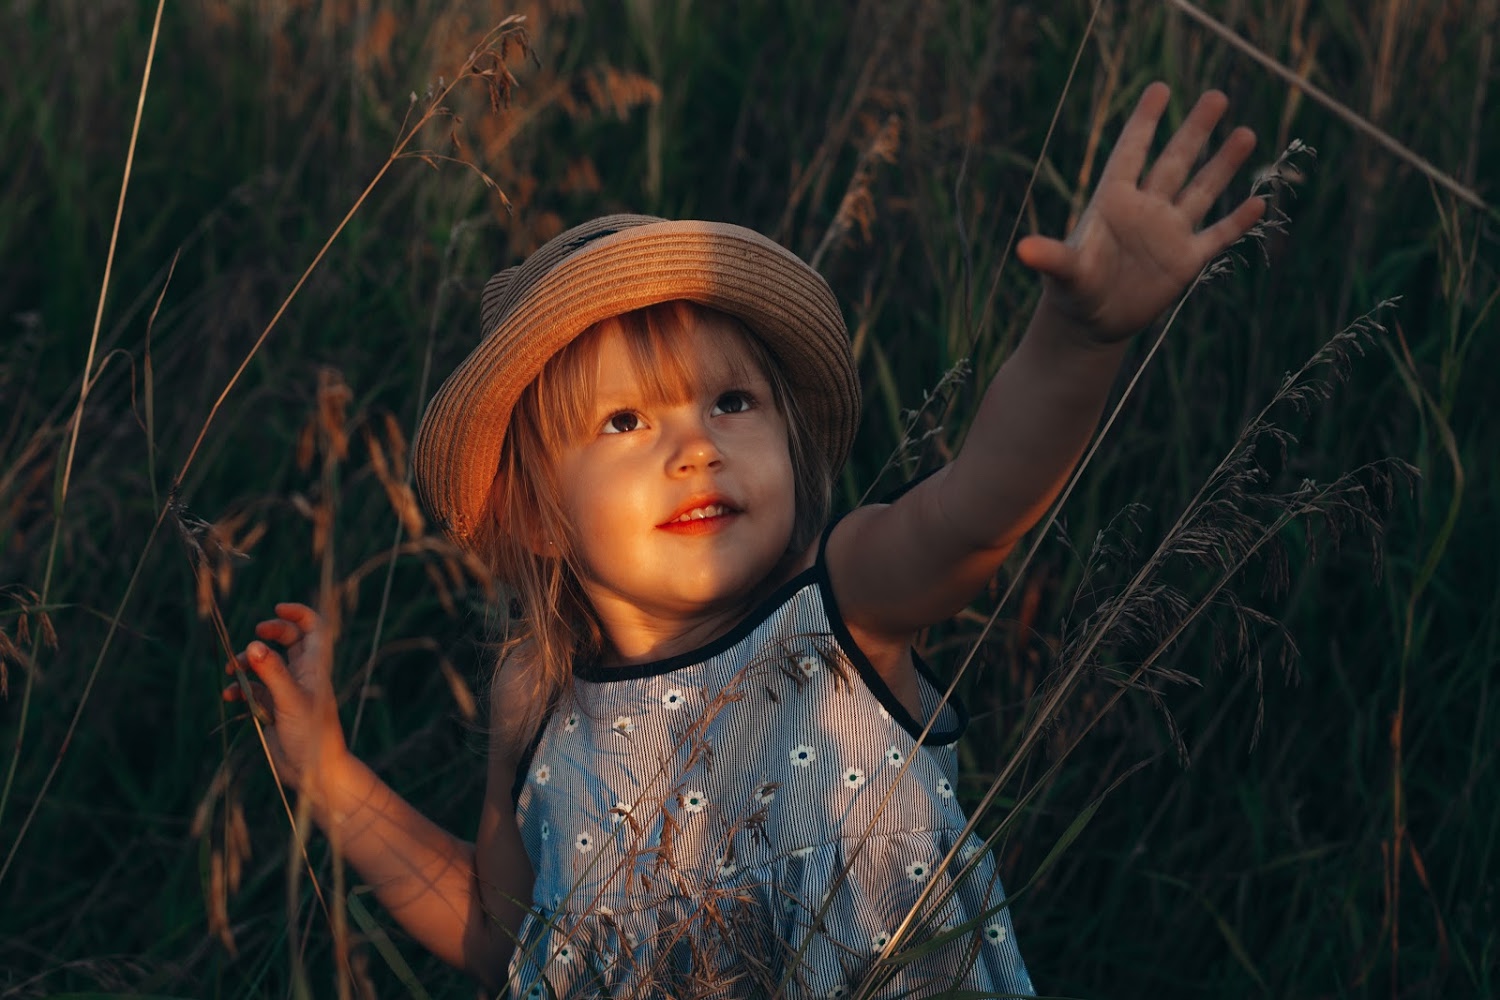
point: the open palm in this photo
(1138, 243)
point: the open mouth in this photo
(701, 517)
(699, 513)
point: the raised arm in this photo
(900, 567)
(454, 897)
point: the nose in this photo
(693, 448)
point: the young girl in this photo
(718, 766)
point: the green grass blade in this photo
(377, 935)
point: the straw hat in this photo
(613, 265)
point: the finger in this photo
(299, 615)
(254, 696)
(1129, 156)
(278, 630)
(259, 696)
(272, 671)
(1221, 234)
(1205, 188)
(1181, 152)
(1049, 256)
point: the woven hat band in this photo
(506, 288)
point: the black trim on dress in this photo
(594, 673)
(871, 676)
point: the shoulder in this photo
(513, 716)
(845, 542)
(887, 650)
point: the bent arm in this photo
(447, 895)
(900, 567)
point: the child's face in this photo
(678, 508)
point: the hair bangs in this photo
(660, 362)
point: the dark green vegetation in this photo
(1351, 851)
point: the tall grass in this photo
(1327, 832)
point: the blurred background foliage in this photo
(1349, 851)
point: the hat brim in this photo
(736, 270)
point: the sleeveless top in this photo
(688, 821)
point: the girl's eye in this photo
(622, 423)
(734, 402)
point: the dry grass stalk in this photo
(723, 932)
(1226, 525)
(935, 403)
(1349, 502)
(214, 549)
(485, 65)
(77, 422)
(1351, 118)
(27, 607)
(1104, 95)
(857, 208)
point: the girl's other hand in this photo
(1137, 245)
(304, 735)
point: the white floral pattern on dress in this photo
(564, 954)
(596, 770)
(836, 993)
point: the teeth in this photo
(699, 513)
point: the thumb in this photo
(1044, 254)
(272, 671)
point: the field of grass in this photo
(1316, 814)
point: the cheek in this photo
(601, 493)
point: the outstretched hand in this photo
(304, 734)
(1137, 245)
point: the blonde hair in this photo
(546, 620)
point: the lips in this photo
(699, 514)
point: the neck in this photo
(635, 634)
(639, 635)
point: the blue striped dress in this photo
(711, 825)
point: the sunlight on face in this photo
(677, 483)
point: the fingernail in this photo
(255, 651)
